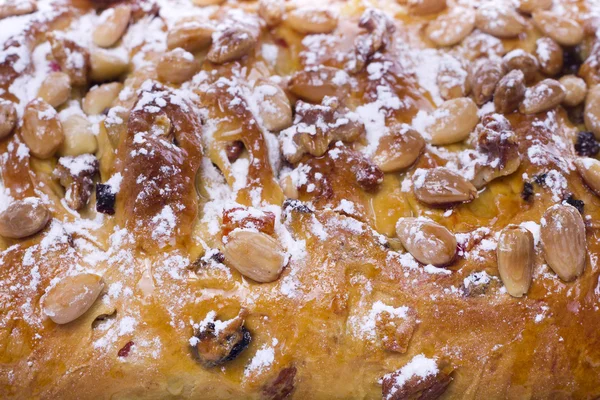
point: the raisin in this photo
(540, 179)
(586, 144)
(124, 352)
(297, 206)
(571, 61)
(234, 150)
(527, 191)
(578, 204)
(105, 199)
(576, 114)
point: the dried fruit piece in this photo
(515, 254)
(422, 378)
(105, 199)
(42, 130)
(177, 66)
(190, 34)
(589, 169)
(71, 297)
(106, 65)
(55, 89)
(510, 91)
(234, 150)
(484, 78)
(565, 31)
(23, 218)
(101, 97)
(274, 106)
(231, 44)
(427, 241)
(379, 27)
(499, 19)
(79, 137)
(282, 387)
(204, 3)
(563, 240)
(544, 96)
(309, 20)
(523, 61)
(8, 118)
(315, 83)
(442, 187)
(592, 111)
(255, 255)
(451, 28)
(453, 121)
(398, 150)
(575, 90)
(452, 79)
(590, 69)
(549, 55)
(215, 342)
(113, 24)
(586, 144)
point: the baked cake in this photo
(209, 199)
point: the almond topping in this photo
(592, 111)
(255, 255)
(523, 61)
(499, 19)
(312, 20)
(398, 150)
(106, 66)
(71, 297)
(451, 28)
(564, 30)
(14, 8)
(515, 254)
(575, 90)
(232, 44)
(274, 107)
(271, 11)
(441, 186)
(8, 118)
(425, 7)
(55, 89)
(589, 169)
(529, 6)
(100, 98)
(563, 240)
(42, 130)
(23, 218)
(544, 96)
(427, 241)
(453, 121)
(113, 24)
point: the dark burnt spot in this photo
(297, 206)
(540, 179)
(234, 150)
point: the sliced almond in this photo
(565, 31)
(190, 34)
(255, 255)
(441, 186)
(563, 240)
(549, 55)
(55, 89)
(314, 84)
(592, 111)
(274, 106)
(589, 169)
(510, 91)
(398, 150)
(99, 98)
(427, 241)
(453, 121)
(515, 254)
(42, 130)
(499, 19)
(106, 65)
(575, 90)
(177, 66)
(310, 20)
(23, 218)
(452, 79)
(8, 118)
(113, 23)
(71, 297)
(79, 137)
(451, 28)
(544, 96)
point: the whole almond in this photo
(441, 186)
(563, 240)
(515, 253)
(451, 28)
(485, 75)
(55, 89)
(575, 90)
(427, 241)
(591, 112)
(589, 169)
(523, 61)
(452, 79)
(398, 150)
(314, 84)
(255, 255)
(510, 91)
(113, 23)
(565, 31)
(499, 19)
(544, 96)
(71, 297)
(177, 66)
(453, 121)
(232, 44)
(8, 118)
(549, 55)
(23, 218)
(310, 20)
(529, 6)
(42, 130)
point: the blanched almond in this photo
(255, 255)
(592, 111)
(575, 89)
(549, 55)
(515, 254)
(564, 30)
(529, 6)
(79, 138)
(315, 83)
(499, 19)
(563, 239)
(451, 28)
(589, 169)
(427, 241)
(71, 297)
(544, 96)
(23, 218)
(56, 88)
(274, 107)
(106, 65)
(190, 34)
(425, 7)
(509, 92)
(113, 23)
(177, 66)
(99, 98)
(398, 150)
(309, 20)
(42, 130)
(452, 79)
(441, 186)
(453, 121)
(289, 188)
(231, 44)
(8, 118)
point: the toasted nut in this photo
(73, 59)
(575, 90)
(271, 11)
(590, 69)
(589, 169)
(549, 55)
(544, 96)
(274, 107)
(510, 91)
(177, 66)
(42, 130)
(523, 61)
(484, 78)
(398, 150)
(289, 188)
(565, 31)
(592, 111)
(231, 44)
(23, 218)
(427, 241)
(529, 6)
(71, 297)
(76, 175)
(315, 83)
(310, 20)
(190, 35)
(563, 240)
(79, 138)
(14, 8)
(451, 28)
(56, 88)
(255, 255)
(113, 23)
(99, 98)
(453, 121)
(107, 66)
(515, 254)
(379, 28)
(204, 3)
(452, 79)
(441, 187)
(425, 7)
(499, 19)
(8, 118)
